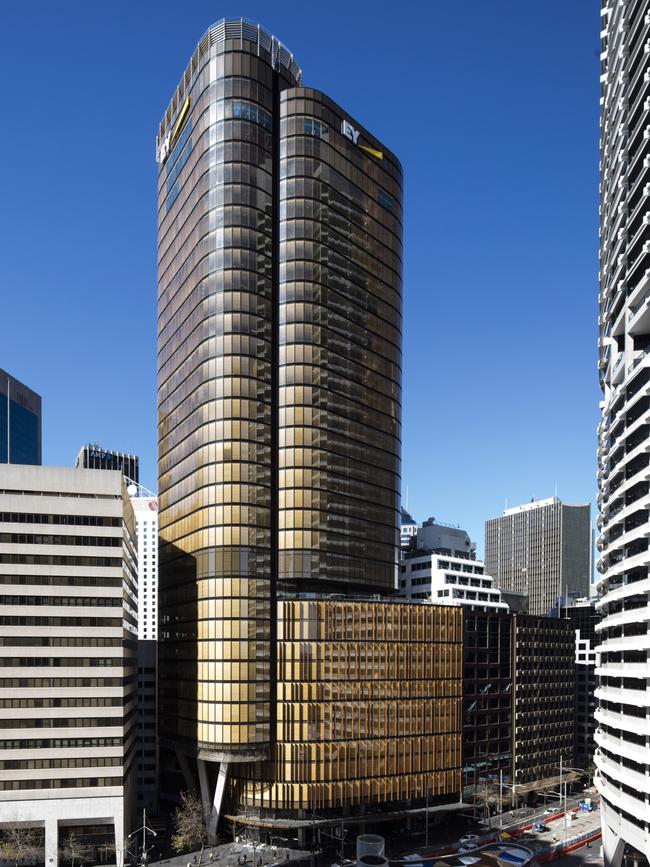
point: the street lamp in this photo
(507, 786)
(563, 768)
(144, 830)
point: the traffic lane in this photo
(584, 823)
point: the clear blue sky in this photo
(493, 110)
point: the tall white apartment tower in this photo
(623, 644)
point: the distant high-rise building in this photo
(68, 629)
(541, 549)
(20, 422)
(95, 457)
(408, 529)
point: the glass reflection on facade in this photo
(279, 363)
(216, 383)
(340, 350)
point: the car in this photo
(549, 811)
(540, 827)
(468, 838)
(467, 848)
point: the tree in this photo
(76, 851)
(21, 844)
(190, 831)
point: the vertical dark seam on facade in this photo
(275, 397)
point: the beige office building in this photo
(68, 630)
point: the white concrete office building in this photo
(623, 641)
(449, 580)
(68, 629)
(145, 507)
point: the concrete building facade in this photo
(449, 580)
(622, 655)
(542, 549)
(68, 630)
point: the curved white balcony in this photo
(624, 590)
(636, 725)
(633, 697)
(625, 642)
(622, 747)
(636, 615)
(622, 669)
(624, 775)
(633, 806)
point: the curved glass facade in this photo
(340, 350)
(216, 382)
(279, 358)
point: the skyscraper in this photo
(20, 422)
(95, 457)
(542, 549)
(622, 663)
(279, 297)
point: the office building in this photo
(543, 671)
(279, 293)
(20, 422)
(369, 712)
(145, 510)
(516, 602)
(541, 549)
(448, 539)
(68, 629)
(408, 529)
(487, 700)
(95, 457)
(622, 664)
(448, 580)
(584, 617)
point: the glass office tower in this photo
(279, 305)
(20, 422)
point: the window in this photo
(248, 111)
(316, 128)
(386, 200)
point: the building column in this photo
(206, 798)
(184, 765)
(51, 842)
(613, 844)
(217, 802)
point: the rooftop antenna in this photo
(556, 489)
